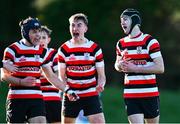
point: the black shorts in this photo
(147, 106)
(20, 110)
(90, 105)
(53, 111)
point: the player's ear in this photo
(86, 29)
(49, 39)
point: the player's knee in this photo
(39, 119)
(97, 118)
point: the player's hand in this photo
(9, 66)
(100, 87)
(129, 66)
(122, 63)
(72, 96)
(124, 54)
(28, 81)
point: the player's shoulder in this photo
(91, 42)
(93, 45)
(121, 40)
(94, 42)
(66, 43)
(148, 35)
(14, 44)
(149, 38)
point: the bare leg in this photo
(96, 118)
(38, 119)
(136, 119)
(152, 120)
(68, 120)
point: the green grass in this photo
(3, 94)
(113, 105)
(115, 112)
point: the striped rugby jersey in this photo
(80, 63)
(142, 50)
(29, 60)
(50, 92)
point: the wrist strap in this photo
(66, 89)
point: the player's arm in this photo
(53, 78)
(8, 65)
(7, 77)
(121, 58)
(117, 64)
(9, 68)
(101, 79)
(156, 68)
(62, 74)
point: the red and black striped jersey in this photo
(49, 91)
(142, 50)
(80, 62)
(29, 60)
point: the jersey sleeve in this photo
(99, 62)
(9, 54)
(154, 49)
(53, 59)
(55, 63)
(118, 51)
(48, 57)
(61, 58)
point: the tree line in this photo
(161, 19)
